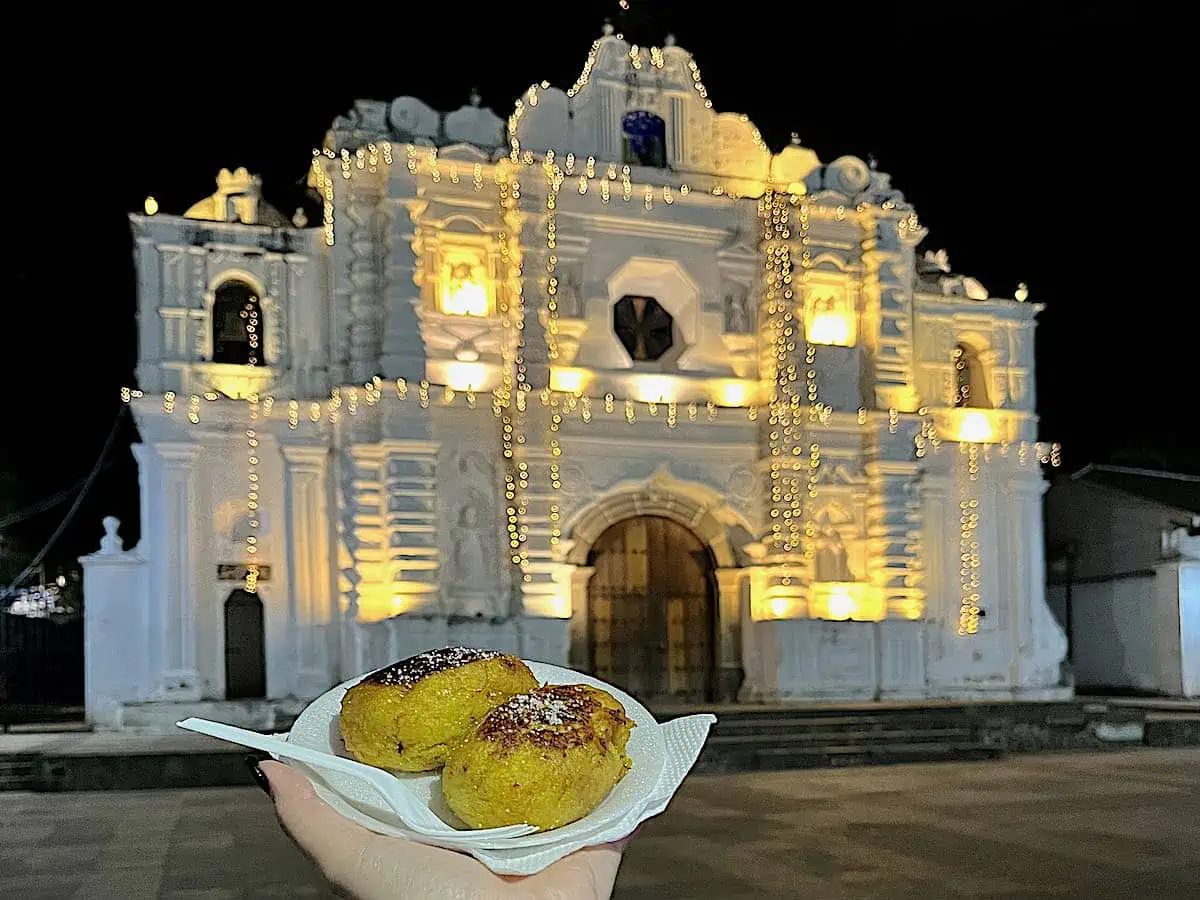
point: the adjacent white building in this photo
(1125, 577)
(606, 383)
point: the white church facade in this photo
(605, 384)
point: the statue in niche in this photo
(469, 557)
(471, 576)
(570, 293)
(832, 563)
(737, 312)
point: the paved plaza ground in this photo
(1095, 826)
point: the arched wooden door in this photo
(651, 610)
(245, 654)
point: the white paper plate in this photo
(317, 727)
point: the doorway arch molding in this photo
(697, 507)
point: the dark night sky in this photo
(1016, 134)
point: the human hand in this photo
(362, 865)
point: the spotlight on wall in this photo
(730, 393)
(975, 428)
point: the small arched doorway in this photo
(651, 615)
(245, 654)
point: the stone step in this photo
(835, 724)
(256, 715)
(716, 760)
(1171, 730)
(20, 772)
(847, 738)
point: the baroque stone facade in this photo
(413, 423)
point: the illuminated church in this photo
(606, 383)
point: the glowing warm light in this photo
(466, 376)
(975, 428)
(464, 294)
(830, 326)
(780, 607)
(842, 600)
(655, 389)
(841, 605)
(151, 206)
(560, 607)
(731, 393)
(568, 381)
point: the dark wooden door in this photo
(245, 655)
(650, 607)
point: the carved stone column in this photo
(894, 517)
(403, 348)
(309, 557)
(365, 275)
(536, 426)
(173, 569)
(888, 258)
(780, 584)
(363, 515)
(412, 525)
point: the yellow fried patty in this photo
(407, 716)
(546, 758)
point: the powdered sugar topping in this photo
(408, 672)
(561, 713)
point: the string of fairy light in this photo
(795, 454)
(554, 181)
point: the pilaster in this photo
(537, 452)
(580, 580)
(366, 275)
(403, 348)
(309, 556)
(780, 584)
(175, 570)
(730, 583)
(363, 513)
(149, 324)
(888, 257)
(894, 518)
(412, 525)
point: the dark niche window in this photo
(970, 385)
(643, 327)
(645, 139)
(237, 324)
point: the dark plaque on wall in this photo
(238, 572)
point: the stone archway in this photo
(704, 513)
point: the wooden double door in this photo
(651, 611)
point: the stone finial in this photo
(795, 139)
(669, 40)
(872, 162)
(607, 29)
(475, 99)
(1022, 292)
(111, 543)
(299, 219)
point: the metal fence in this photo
(41, 669)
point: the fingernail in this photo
(257, 774)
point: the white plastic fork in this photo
(416, 816)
